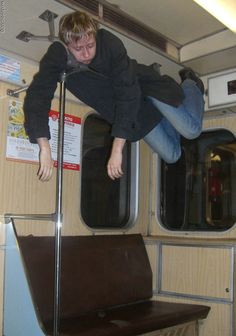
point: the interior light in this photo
(215, 157)
(223, 10)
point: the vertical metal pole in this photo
(58, 213)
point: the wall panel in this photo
(218, 321)
(2, 240)
(199, 271)
(22, 192)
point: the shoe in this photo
(188, 73)
(156, 67)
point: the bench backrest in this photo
(97, 272)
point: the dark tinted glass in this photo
(199, 191)
(104, 202)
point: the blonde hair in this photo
(76, 25)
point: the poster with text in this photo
(18, 146)
(72, 134)
(9, 69)
(20, 149)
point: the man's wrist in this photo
(118, 145)
(43, 143)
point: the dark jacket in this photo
(116, 89)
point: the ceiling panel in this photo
(181, 21)
(220, 61)
(24, 16)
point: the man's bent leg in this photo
(186, 118)
(165, 141)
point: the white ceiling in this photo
(181, 21)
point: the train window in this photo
(198, 192)
(106, 203)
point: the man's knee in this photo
(192, 133)
(172, 156)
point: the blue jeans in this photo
(185, 120)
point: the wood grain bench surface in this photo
(106, 286)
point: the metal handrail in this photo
(58, 213)
(57, 216)
(49, 217)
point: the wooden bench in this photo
(106, 287)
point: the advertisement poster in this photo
(72, 134)
(20, 149)
(9, 69)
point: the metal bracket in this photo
(24, 36)
(47, 16)
(11, 93)
(15, 92)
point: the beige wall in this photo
(196, 272)
(2, 236)
(22, 192)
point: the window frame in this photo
(134, 184)
(157, 202)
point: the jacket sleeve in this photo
(127, 92)
(40, 93)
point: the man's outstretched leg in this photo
(186, 118)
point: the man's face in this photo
(84, 50)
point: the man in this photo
(135, 99)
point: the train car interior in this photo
(151, 253)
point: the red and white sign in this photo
(20, 149)
(72, 133)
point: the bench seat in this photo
(106, 287)
(132, 319)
